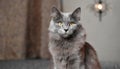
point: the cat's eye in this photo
(60, 23)
(72, 23)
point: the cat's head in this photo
(64, 24)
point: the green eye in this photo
(72, 23)
(60, 23)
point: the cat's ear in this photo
(76, 13)
(55, 12)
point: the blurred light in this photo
(98, 6)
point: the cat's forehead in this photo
(66, 16)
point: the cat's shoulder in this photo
(89, 56)
(89, 47)
(88, 50)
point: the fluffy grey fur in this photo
(65, 45)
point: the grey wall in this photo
(105, 35)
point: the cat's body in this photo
(67, 42)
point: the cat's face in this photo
(64, 24)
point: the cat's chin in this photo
(64, 35)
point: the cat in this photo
(67, 42)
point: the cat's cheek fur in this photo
(54, 36)
(61, 31)
(52, 27)
(70, 32)
(71, 29)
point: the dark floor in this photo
(24, 64)
(43, 64)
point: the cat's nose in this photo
(66, 30)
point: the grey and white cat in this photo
(67, 42)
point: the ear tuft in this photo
(55, 12)
(54, 9)
(76, 13)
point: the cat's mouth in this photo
(65, 34)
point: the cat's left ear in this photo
(76, 13)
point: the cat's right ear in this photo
(76, 13)
(55, 12)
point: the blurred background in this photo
(24, 28)
(103, 35)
